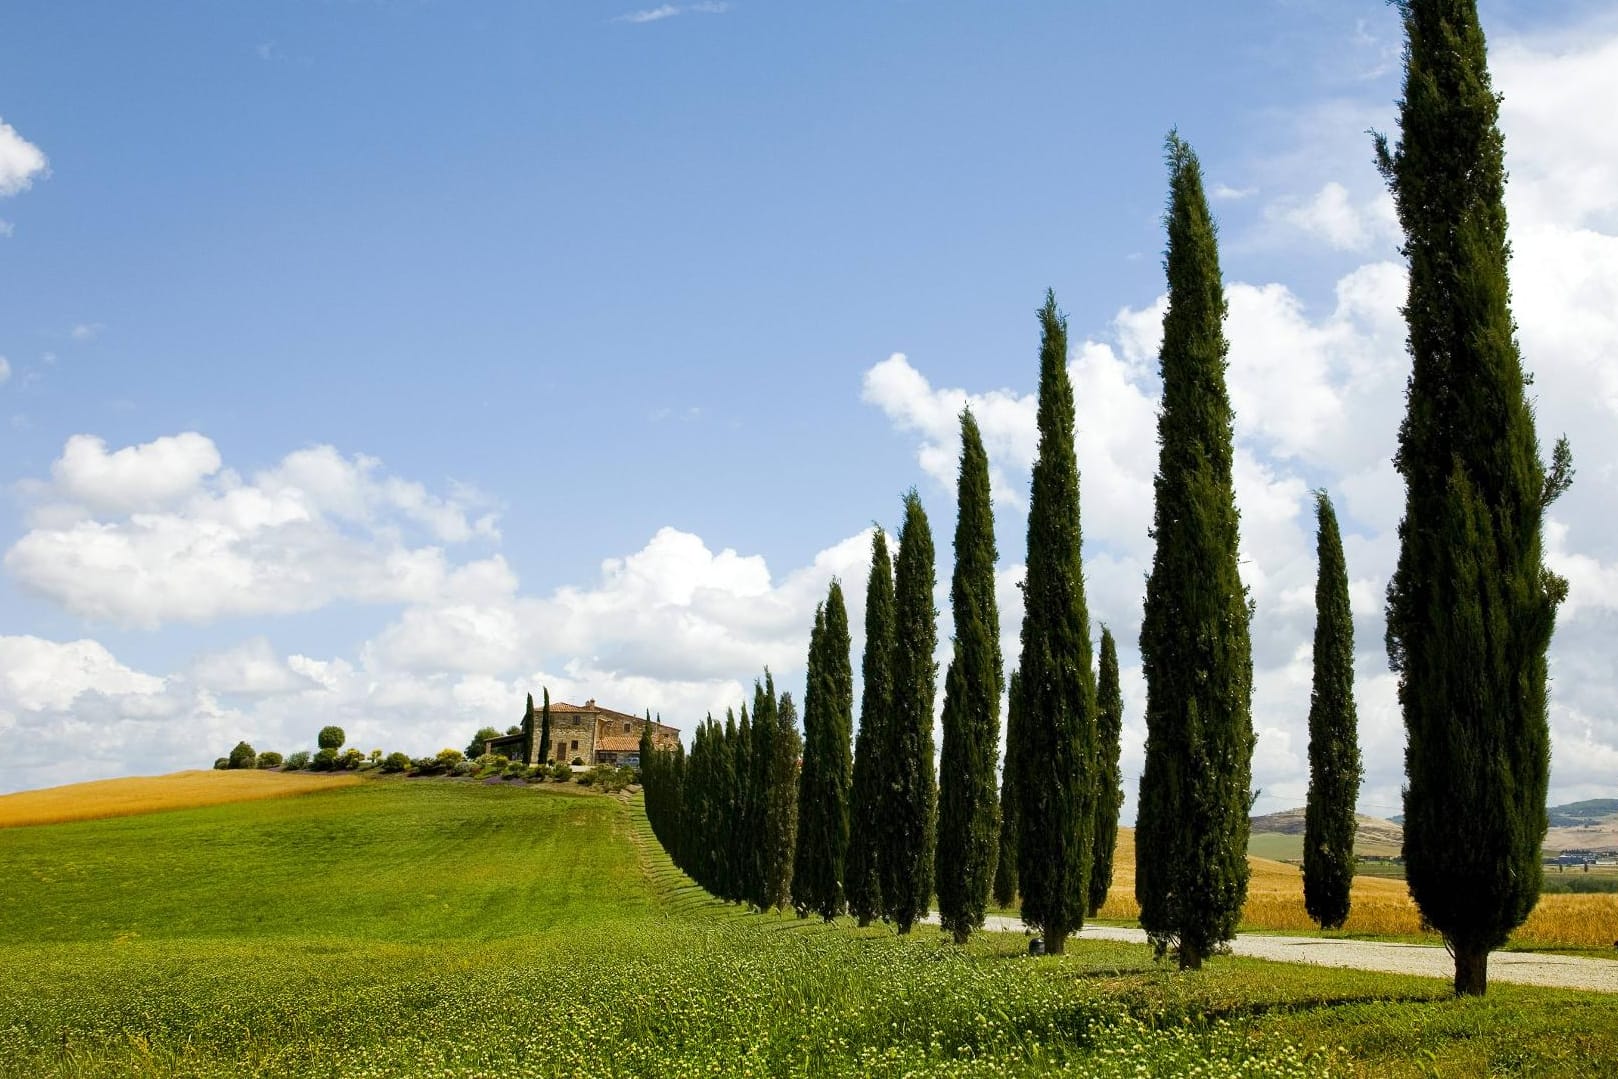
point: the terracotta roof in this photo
(592, 708)
(618, 743)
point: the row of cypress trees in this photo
(728, 812)
(1470, 612)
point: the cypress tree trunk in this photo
(1471, 606)
(910, 797)
(968, 813)
(545, 728)
(1110, 782)
(1334, 748)
(864, 882)
(1056, 751)
(823, 786)
(1005, 866)
(1192, 825)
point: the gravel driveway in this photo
(1527, 968)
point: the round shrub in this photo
(243, 756)
(331, 738)
(269, 759)
(221, 763)
(462, 767)
(297, 761)
(395, 762)
(324, 761)
(350, 760)
(561, 772)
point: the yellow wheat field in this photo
(1380, 906)
(153, 794)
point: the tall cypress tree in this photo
(909, 817)
(545, 727)
(863, 883)
(761, 762)
(528, 732)
(1192, 825)
(1056, 750)
(1110, 780)
(823, 786)
(968, 813)
(1471, 606)
(1005, 866)
(1334, 748)
(781, 805)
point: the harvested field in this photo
(154, 794)
(1381, 907)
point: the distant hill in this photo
(1280, 836)
(1587, 825)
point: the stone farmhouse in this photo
(588, 734)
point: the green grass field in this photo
(433, 927)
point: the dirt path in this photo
(1527, 968)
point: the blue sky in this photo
(377, 362)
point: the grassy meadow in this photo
(451, 928)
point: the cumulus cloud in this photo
(20, 162)
(161, 532)
(1334, 216)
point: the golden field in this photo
(1381, 906)
(153, 794)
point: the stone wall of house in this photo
(573, 735)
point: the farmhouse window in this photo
(575, 743)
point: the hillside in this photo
(1280, 836)
(1587, 825)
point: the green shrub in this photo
(426, 766)
(324, 761)
(350, 760)
(298, 761)
(243, 756)
(462, 767)
(396, 762)
(221, 763)
(561, 772)
(331, 738)
(269, 759)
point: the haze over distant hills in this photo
(1590, 824)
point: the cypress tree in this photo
(761, 762)
(1192, 825)
(968, 813)
(1110, 781)
(1334, 750)
(1005, 866)
(781, 805)
(823, 787)
(1056, 751)
(909, 816)
(545, 727)
(863, 884)
(528, 732)
(1471, 606)
(740, 835)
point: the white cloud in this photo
(20, 161)
(160, 532)
(1332, 215)
(86, 331)
(143, 477)
(5, 370)
(250, 669)
(669, 11)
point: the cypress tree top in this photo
(1471, 606)
(1191, 830)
